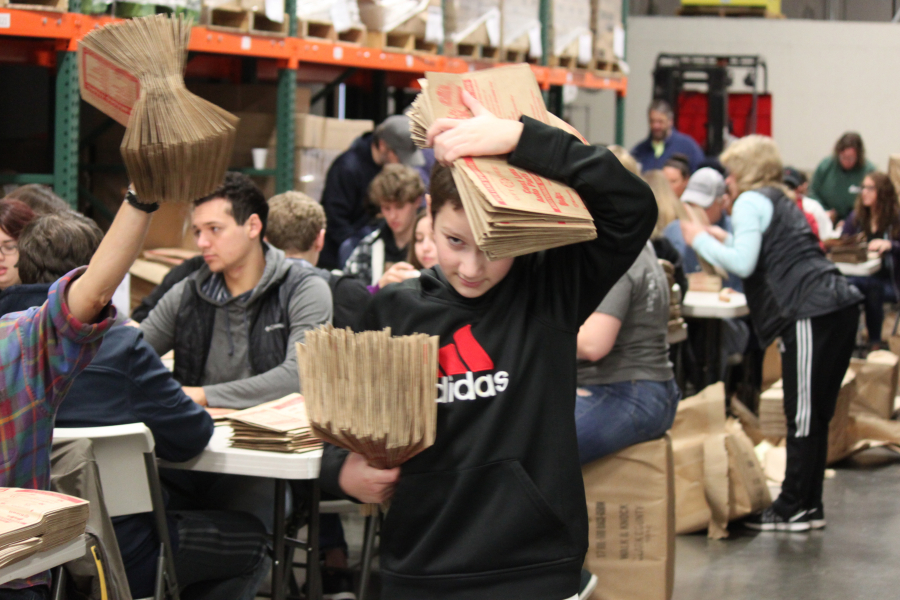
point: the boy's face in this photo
(466, 267)
(399, 215)
(223, 242)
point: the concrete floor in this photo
(853, 558)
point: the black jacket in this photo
(793, 280)
(345, 197)
(496, 508)
(23, 297)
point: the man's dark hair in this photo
(851, 139)
(660, 105)
(443, 189)
(245, 198)
(56, 243)
(681, 162)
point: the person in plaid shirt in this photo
(44, 348)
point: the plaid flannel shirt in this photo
(41, 351)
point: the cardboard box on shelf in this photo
(254, 131)
(311, 167)
(248, 97)
(631, 515)
(339, 134)
(171, 228)
(894, 169)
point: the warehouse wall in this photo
(826, 77)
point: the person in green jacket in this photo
(837, 180)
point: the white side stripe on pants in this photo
(804, 377)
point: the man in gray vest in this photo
(234, 323)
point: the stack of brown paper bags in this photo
(511, 211)
(371, 393)
(176, 146)
(34, 521)
(277, 426)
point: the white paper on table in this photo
(585, 47)
(434, 25)
(340, 16)
(619, 41)
(275, 10)
(535, 44)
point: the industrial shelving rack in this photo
(50, 39)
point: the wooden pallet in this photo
(324, 30)
(260, 24)
(223, 18)
(43, 5)
(399, 42)
(728, 11)
(473, 51)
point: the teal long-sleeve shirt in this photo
(751, 216)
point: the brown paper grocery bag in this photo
(631, 514)
(876, 384)
(697, 418)
(748, 491)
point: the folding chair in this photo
(130, 480)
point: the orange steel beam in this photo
(69, 28)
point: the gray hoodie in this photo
(228, 379)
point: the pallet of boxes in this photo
(245, 16)
(414, 26)
(318, 142)
(330, 20)
(609, 36)
(473, 28)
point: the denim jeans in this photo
(617, 415)
(877, 289)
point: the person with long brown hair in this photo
(877, 214)
(14, 216)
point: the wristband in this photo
(132, 199)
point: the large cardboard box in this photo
(311, 168)
(339, 134)
(248, 97)
(631, 517)
(170, 228)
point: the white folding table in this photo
(44, 561)
(220, 457)
(710, 307)
(863, 269)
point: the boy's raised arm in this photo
(91, 292)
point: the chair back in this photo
(120, 452)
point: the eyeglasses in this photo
(9, 248)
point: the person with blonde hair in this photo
(794, 293)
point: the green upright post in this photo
(546, 30)
(68, 111)
(284, 114)
(620, 99)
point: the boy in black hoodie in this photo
(496, 508)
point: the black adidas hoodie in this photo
(495, 510)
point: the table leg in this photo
(313, 571)
(278, 567)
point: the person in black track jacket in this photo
(496, 508)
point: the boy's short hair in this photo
(295, 221)
(56, 243)
(244, 197)
(40, 198)
(443, 189)
(396, 184)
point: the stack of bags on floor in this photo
(277, 426)
(511, 211)
(718, 477)
(862, 416)
(34, 521)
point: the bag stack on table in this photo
(277, 426)
(511, 211)
(34, 521)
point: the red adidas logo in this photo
(459, 361)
